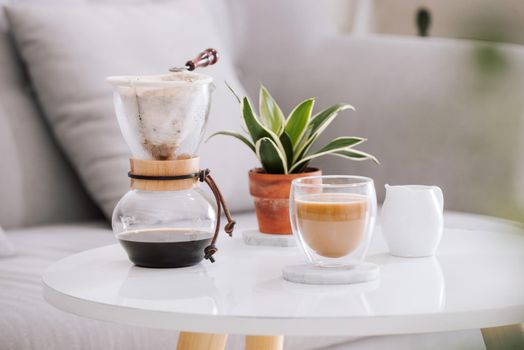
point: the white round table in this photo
(475, 281)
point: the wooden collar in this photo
(163, 168)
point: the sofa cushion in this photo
(33, 169)
(6, 248)
(71, 50)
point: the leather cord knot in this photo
(209, 251)
(230, 227)
(203, 176)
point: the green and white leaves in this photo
(288, 147)
(283, 145)
(253, 125)
(339, 144)
(318, 124)
(321, 121)
(237, 135)
(271, 157)
(270, 113)
(268, 146)
(354, 154)
(298, 121)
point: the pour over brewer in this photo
(166, 220)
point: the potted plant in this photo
(284, 148)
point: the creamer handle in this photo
(440, 196)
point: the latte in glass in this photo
(332, 224)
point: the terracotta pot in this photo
(271, 194)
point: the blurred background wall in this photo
(501, 20)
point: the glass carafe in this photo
(164, 228)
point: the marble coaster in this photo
(310, 274)
(254, 237)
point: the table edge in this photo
(331, 326)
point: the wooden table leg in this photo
(264, 342)
(504, 338)
(201, 341)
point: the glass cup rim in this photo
(364, 180)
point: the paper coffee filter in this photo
(163, 117)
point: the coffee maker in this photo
(166, 220)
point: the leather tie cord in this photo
(211, 249)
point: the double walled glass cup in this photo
(333, 218)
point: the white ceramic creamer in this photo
(412, 220)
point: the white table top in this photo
(476, 281)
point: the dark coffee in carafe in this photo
(165, 247)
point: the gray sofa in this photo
(433, 110)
